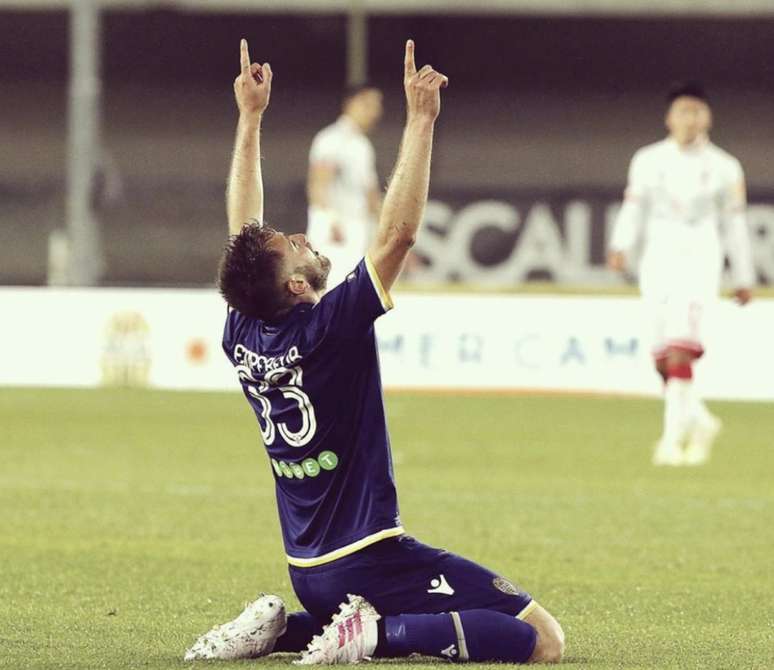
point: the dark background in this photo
(534, 104)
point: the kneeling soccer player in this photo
(308, 364)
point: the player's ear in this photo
(297, 284)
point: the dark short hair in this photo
(691, 89)
(248, 274)
(351, 90)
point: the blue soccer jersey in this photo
(313, 381)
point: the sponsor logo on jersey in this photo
(309, 467)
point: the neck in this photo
(354, 121)
(298, 300)
(308, 298)
(696, 142)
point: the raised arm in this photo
(406, 196)
(244, 192)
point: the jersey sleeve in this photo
(325, 149)
(350, 309)
(634, 208)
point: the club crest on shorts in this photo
(502, 584)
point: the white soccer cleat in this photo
(350, 636)
(701, 439)
(253, 633)
(668, 454)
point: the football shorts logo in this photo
(450, 651)
(502, 584)
(440, 585)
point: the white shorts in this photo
(344, 256)
(676, 323)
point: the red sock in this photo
(679, 371)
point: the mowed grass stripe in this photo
(134, 520)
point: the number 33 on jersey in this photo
(330, 454)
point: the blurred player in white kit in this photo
(686, 198)
(343, 187)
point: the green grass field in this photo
(132, 521)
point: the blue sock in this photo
(494, 636)
(405, 634)
(470, 635)
(301, 627)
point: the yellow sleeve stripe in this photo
(527, 610)
(384, 296)
(347, 550)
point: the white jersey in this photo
(688, 204)
(343, 146)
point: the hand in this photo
(252, 87)
(743, 295)
(423, 88)
(616, 260)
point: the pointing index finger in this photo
(409, 65)
(244, 57)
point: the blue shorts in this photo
(402, 576)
